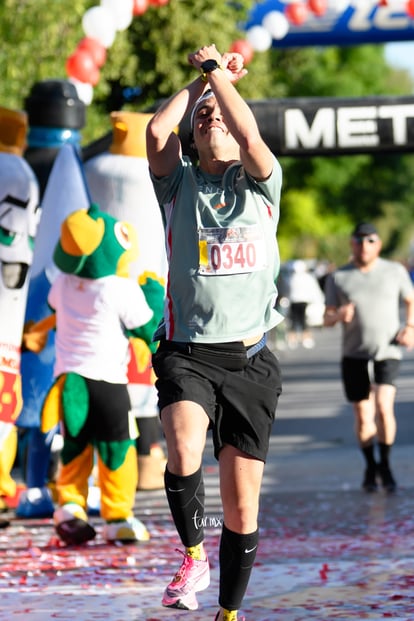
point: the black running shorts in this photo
(357, 372)
(241, 404)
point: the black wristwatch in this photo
(207, 67)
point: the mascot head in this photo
(94, 244)
(19, 201)
(128, 136)
(13, 131)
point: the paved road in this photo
(315, 424)
(328, 551)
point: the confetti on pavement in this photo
(323, 556)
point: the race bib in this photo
(235, 250)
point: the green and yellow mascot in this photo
(97, 309)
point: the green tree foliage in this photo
(163, 37)
(36, 38)
(322, 197)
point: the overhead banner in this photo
(335, 126)
(343, 23)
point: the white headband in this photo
(200, 100)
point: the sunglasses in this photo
(362, 239)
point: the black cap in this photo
(364, 228)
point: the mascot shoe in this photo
(35, 502)
(71, 523)
(131, 529)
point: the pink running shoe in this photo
(193, 576)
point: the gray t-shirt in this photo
(222, 252)
(377, 295)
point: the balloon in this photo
(95, 49)
(243, 47)
(319, 7)
(81, 66)
(296, 12)
(259, 38)
(97, 23)
(121, 11)
(410, 8)
(276, 23)
(140, 6)
(84, 90)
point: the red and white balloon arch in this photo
(102, 22)
(100, 25)
(275, 24)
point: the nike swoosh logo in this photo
(246, 551)
(176, 490)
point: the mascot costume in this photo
(65, 188)
(19, 215)
(97, 308)
(56, 115)
(119, 181)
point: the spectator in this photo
(303, 290)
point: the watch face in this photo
(209, 65)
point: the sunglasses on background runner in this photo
(364, 238)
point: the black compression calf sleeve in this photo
(237, 556)
(186, 499)
(384, 450)
(368, 452)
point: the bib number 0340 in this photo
(231, 251)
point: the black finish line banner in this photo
(332, 126)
